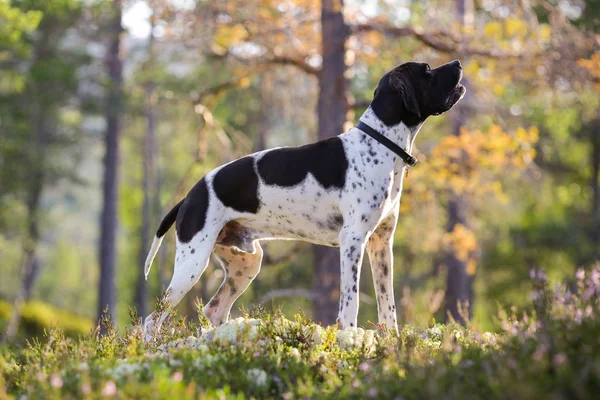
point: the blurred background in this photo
(110, 111)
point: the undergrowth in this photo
(550, 350)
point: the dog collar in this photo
(407, 158)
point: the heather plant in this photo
(550, 349)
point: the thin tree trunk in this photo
(108, 223)
(332, 110)
(459, 294)
(148, 182)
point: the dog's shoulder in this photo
(288, 166)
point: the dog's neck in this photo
(400, 134)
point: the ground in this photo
(549, 351)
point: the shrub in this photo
(549, 350)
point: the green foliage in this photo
(549, 349)
(37, 318)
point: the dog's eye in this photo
(427, 68)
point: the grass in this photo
(550, 350)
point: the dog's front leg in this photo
(352, 248)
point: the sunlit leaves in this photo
(592, 65)
(463, 243)
(468, 163)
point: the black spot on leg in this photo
(238, 273)
(193, 251)
(232, 286)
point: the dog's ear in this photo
(400, 84)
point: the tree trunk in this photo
(148, 182)
(459, 294)
(108, 223)
(332, 110)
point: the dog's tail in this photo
(164, 226)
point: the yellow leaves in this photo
(592, 65)
(544, 32)
(515, 27)
(493, 29)
(472, 68)
(472, 162)
(510, 28)
(244, 82)
(227, 35)
(463, 242)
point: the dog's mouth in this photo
(455, 95)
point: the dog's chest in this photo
(374, 179)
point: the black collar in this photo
(407, 158)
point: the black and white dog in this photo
(342, 192)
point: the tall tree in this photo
(459, 291)
(108, 222)
(36, 130)
(148, 170)
(331, 110)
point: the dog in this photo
(343, 192)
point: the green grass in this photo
(551, 350)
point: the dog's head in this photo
(413, 91)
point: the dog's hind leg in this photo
(240, 270)
(379, 247)
(191, 261)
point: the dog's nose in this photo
(456, 63)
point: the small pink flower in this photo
(355, 384)
(287, 395)
(559, 359)
(177, 376)
(589, 292)
(532, 273)
(56, 381)
(372, 393)
(595, 276)
(110, 389)
(540, 352)
(580, 274)
(363, 367)
(86, 388)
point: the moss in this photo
(37, 317)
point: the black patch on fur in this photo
(192, 214)
(325, 160)
(236, 185)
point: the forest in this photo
(111, 111)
